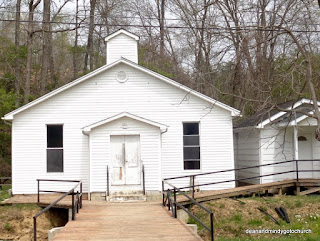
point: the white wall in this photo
(122, 46)
(248, 150)
(101, 97)
(277, 146)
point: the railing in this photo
(166, 194)
(108, 191)
(75, 204)
(192, 177)
(143, 181)
(3, 181)
(172, 205)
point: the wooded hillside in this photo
(247, 54)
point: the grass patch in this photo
(255, 222)
(8, 227)
(236, 218)
(4, 193)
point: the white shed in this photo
(278, 136)
(121, 116)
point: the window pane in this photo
(191, 165)
(190, 128)
(191, 153)
(54, 136)
(191, 140)
(55, 160)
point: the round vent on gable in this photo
(122, 76)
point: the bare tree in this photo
(89, 53)
(47, 63)
(30, 34)
(17, 61)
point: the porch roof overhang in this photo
(87, 129)
(297, 120)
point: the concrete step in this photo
(126, 192)
(127, 198)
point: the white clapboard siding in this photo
(277, 146)
(248, 152)
(101, 97)
(122, 46)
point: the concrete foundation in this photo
(182, 215)
(194, 227)
(53, 232)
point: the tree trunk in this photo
(46, 45)
(75, 49)
(30, 34)
(161, 17)
(89, 52)
(17, 60)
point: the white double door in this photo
(125, 160)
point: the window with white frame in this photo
(54, 148)
(191, 146)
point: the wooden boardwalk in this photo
(311, 184)
(45, 200)
(125, 221)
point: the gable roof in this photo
(121, 31)
(10, 116)
(88, 128)
(267, 116)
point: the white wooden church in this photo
(121, 116)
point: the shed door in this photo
(125, 160)
(305, 153)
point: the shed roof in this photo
(267, 115)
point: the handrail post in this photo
(143, 180)
(175, 202)
(34, 228)
(211, 228)
(78, 200)
(107, 182)
(80, 194)
(72, 205)
(193, 187)
(297, 171)
(168, 195)
(163, 193)
(38, 190)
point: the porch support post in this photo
(295, 142)
(89, 179)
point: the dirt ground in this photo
(16, 222)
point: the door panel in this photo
(117, 160)
(125, 160)
(132, 147)
(305, 153)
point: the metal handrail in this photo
(165, 180)
(76, 204)
(143, 181)
(108, 191)
(167, 200)
(172, 205)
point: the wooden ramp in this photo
(311, 184)
(125, 221)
